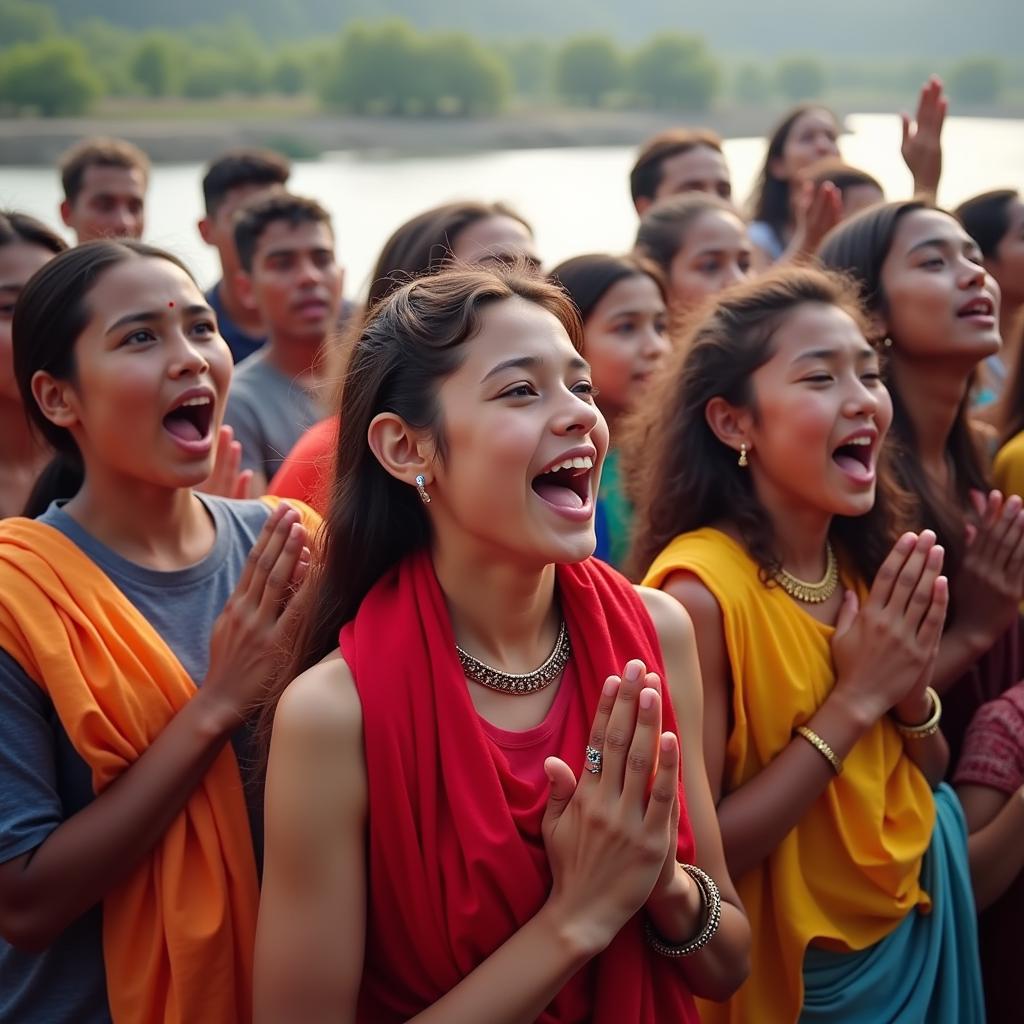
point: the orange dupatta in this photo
(178, 932)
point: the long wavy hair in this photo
(410, 344)
(683, 478)
(858, 247)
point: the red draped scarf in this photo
(456, 862)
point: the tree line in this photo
(391, 68)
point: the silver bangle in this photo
(713, 915)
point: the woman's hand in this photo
(607, 840)
(922, 139)
(247, 633)
(816, 211)
(227, 478)
(884, 653)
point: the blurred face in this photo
(626, 342)
(295, 282)
(701, 169)
(151, 377)
(497, 239)
(524, 440)
(110, 204)
(218, 229)
(940, 302)
(715, 254)
(822, 413)
(18, 262)
(812, 136)
(860, 197)
(1008, 265)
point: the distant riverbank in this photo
(177, 133)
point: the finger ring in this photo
(593, 762)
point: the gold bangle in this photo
(821, 747)
(927, 728)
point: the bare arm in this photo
(45, 890)
(929, 753)
(716, 971)
(995, 844)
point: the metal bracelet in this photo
(712, 899)
(927, 728)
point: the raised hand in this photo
(609, 835)
(922, 138)
(817, 210)
(884, 652)
(248, 632)
(227, 479)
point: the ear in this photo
(56, 399)
(878, 327)
(245, 291)
(643, 204)
(66, 213)
(403, 451)
(730, 425)
(205, 227)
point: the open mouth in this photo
(567, 483)
(855, 456)
(191, 420)
(981, 306)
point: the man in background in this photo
(679, 160)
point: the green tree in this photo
(110, 50)
(291, 74)
(977, 80)
(531, 63)
(22, 22)
(207, 75)
(800, 78)
(157, 63)
(588, 68)
(459, 76)
(675, 71)
(52, 77)
(752, 84)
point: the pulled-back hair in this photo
(664, 227)
(426, 244)
(646, 176)
(409, 345)
(682, 477)
(588, 278)
(21, 227)
(986, 218)
(858, 247)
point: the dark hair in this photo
(858, 247)
(258, 214)
(239, 167)
(986, 218)
(645, 178)
(843, 175)
(98, 152)
(588, 278)
(20, 227)
(769, 201)
(411, 342)
(663, 228)
(426, 243)
(682, 478)
(51, 313)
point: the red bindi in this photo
(170, 305)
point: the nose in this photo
(576, 415)
(861, 400)
(735, 273)
(187, 359)
(655, 345)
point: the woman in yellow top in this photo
(763, 469)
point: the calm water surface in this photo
(577, 199)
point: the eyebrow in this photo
(530, 363)
(832, 353)
(149, 317)
(956, 245)
(273, 254)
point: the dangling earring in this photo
(743, 462)
(887, 343)
(421, 488)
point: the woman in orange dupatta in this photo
(454, 834)
(128, 876)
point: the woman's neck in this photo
(158, 527)
(502, 612)
(1011, 330)
(799, 531)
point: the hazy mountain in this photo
(911, 28)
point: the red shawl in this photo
(456, 862)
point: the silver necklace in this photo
(524, 682)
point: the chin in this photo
(570, 551)
(851, 507)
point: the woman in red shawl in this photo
(454, 834)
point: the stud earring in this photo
(743, 461)
(887, 343)
(421, 488)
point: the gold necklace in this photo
(519, 682)
(812, 593)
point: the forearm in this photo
(755, 818)
(929, 753)
(959, 649)
(96, 848)
(996, 852)
(519, 980)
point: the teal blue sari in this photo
(926, 971)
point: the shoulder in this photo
(678, 648)
(671, 621)
(1008, 466)
(320, 706)
(763, 235)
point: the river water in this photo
(576, 199)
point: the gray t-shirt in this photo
(269, 412)
(43, 780)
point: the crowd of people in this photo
(631, 640)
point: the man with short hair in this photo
(231, 181)
(289, 275)
(679, 160)
(105, 184)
